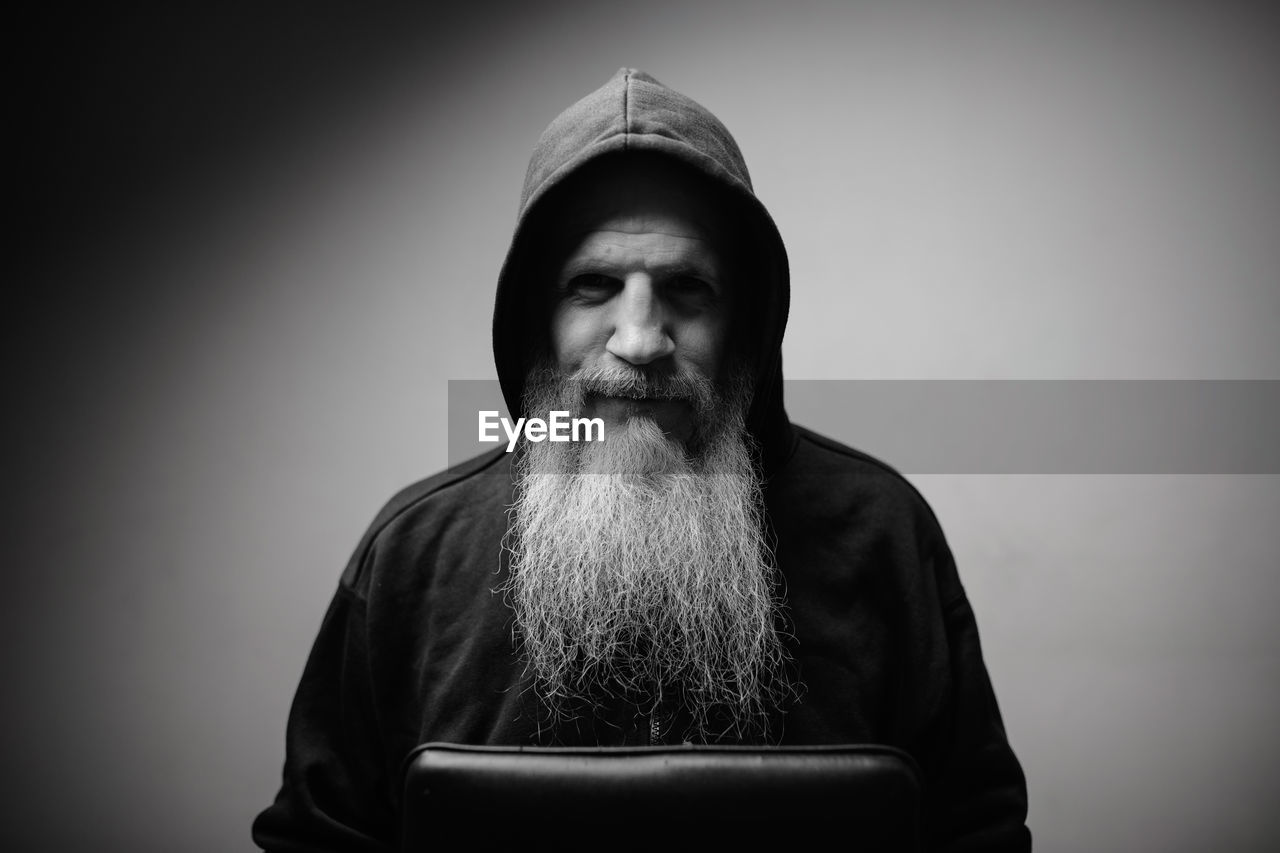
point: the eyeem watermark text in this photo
(558, 427)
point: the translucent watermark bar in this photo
(1008, 426)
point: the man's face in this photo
(642, 289)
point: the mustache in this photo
(634, 383)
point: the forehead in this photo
(630, 199)
(656, 241)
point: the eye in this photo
(689, 284)
(691, 290)
(591, 286)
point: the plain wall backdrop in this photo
(254, 244)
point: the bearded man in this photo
(707, 573)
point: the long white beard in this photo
(651, 579)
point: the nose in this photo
(640, 333)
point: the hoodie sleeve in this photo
(977, 797)
(336, 793)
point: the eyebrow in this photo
(583, 266)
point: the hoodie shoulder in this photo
(834, 479)
(478, 488)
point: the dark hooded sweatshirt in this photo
(417, 646)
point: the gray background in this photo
(255, 245)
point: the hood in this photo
(633, 112)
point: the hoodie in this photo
(633, 112)
(417, 647)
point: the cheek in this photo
(573, 336)
(704, 346)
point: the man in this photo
(708, 573)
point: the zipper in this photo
(655, 734)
